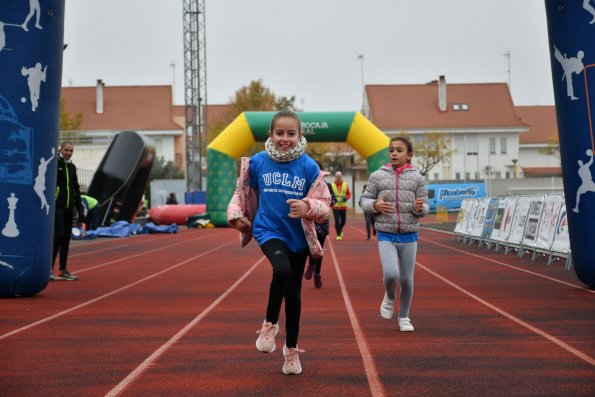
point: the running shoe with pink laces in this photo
(292, 364)
(266, 340)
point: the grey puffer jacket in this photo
(406, 186)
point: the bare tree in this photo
(430, 149)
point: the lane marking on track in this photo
(517, 320)
(509, 266)
(87, 303)
(376, 386)
(111, 247)
(149, 361)
(136, 255)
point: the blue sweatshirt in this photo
(276, 183)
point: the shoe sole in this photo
(291, 373)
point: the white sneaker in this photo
(266, 340)
(387, 307)
(405, 325)
(292, 364)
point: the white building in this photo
(479, 119)
(107, 111)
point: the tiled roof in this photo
(542, 123)
(405, 107)
(214, 113)
(124, 107)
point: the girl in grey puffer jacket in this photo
(397, 197)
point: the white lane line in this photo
(517, 320)
(376, 386)
(157, 353)
(509, 266)
(87, 303)
(136, 255)
(108, 248)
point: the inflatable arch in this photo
(572, 56)
(250, 127)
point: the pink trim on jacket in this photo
(244, 203)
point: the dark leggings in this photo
(317, 262)
(288, 270)
(340, 219)
(62, 233)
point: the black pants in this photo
(370, 224)
(62, 233)
(317, 262)
(288, 270)
(340, 219)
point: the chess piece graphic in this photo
(11, 229)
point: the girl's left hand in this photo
(418, 205)
(297, 208)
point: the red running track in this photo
(164, 315)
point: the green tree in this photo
(254, 97)
(162, 169)
(69, 124)
(165, 170)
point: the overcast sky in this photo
(309, 48)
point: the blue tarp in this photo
(125, 229)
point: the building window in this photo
(158, 147)
(436, 177)
(476, 175)
(492, 145)
(458, 176)
(498, 175)
(464, 107)
(503, 145)
(467, 176)
(471, 144)
(456, 107)
(508, 175)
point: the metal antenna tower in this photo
(195, 90)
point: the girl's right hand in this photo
(384, 207)
(242, 224)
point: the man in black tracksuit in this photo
(68, 197)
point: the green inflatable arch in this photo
(250, 127)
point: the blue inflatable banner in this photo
(31, 45)
(571, 31)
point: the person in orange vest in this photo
(342, 194)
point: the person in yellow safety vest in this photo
(342, 193)
(91, 212)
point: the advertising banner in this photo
(547, 225)
(519, 220)
(507, 218)
(533, 219)
(480, 217)
(490, 218)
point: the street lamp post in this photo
(360, 57)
